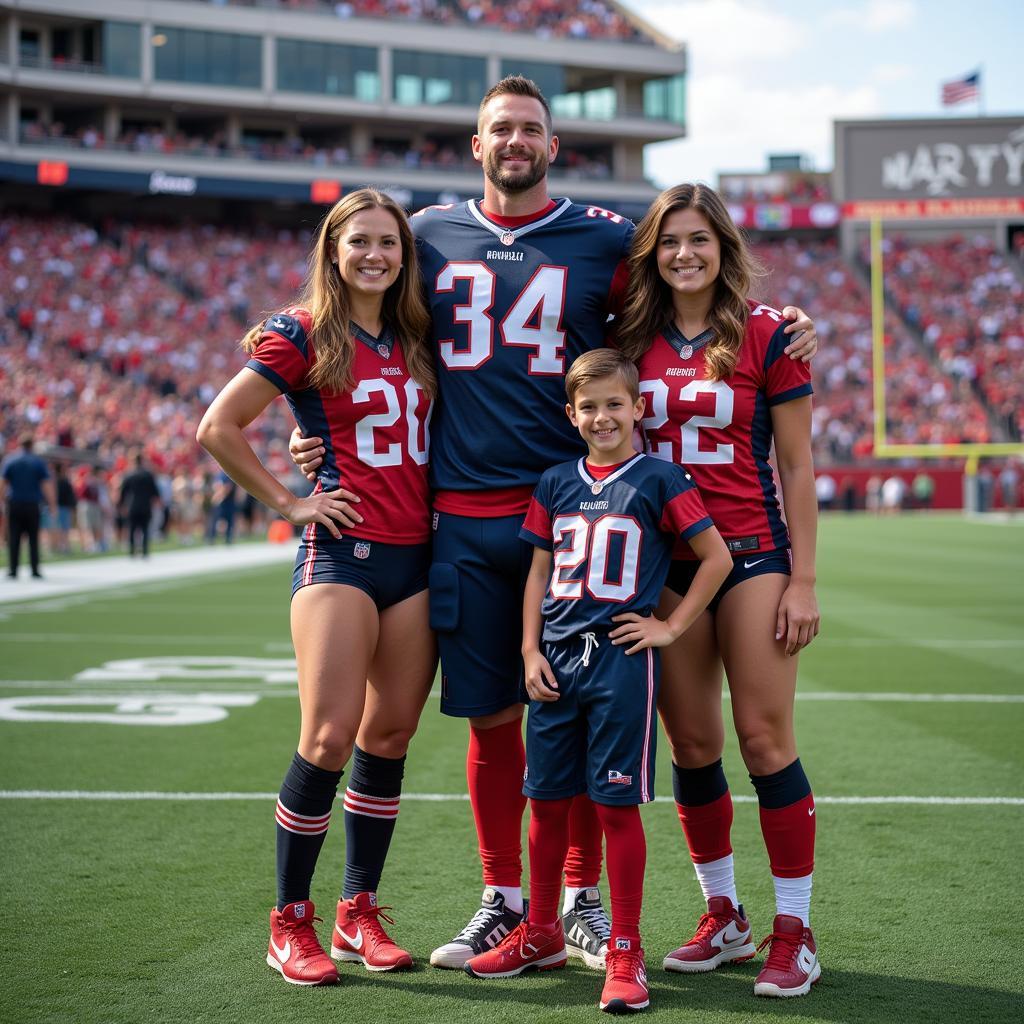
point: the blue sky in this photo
(771, 77)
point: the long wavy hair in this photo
(648, 303)
(325, 296)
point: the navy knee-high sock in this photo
(303, 814)
(371, 809)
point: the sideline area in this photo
(81, 575)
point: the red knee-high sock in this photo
(707, 829)
(583, 861)
(495, 763)
(549, 839)
(787, 820)
(627, 858)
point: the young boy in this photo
(603, 529)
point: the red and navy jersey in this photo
(612, 538)
(721, 431)
(512, 307)
(376, 435)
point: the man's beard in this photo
(511, 182)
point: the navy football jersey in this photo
(612, 538)
(511, 308)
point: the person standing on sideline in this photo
(352, 360)
(720, 392)
(519, 284)
(139, 499)
(26, 485)
(603, 528)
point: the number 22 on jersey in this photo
(533, 321)
(691, 452)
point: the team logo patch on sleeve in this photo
(361, 549)
(619, 779)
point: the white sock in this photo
(513, 896)
(569, 900)
(718, 878)
(793, 897)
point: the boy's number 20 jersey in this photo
(721, 430)
(511, 309)
(612, 539)
(376, 435)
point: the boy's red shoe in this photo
(526, 948)
(625, 985)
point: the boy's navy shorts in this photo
(387, 573)
(476, 609)
(599, 737)
(744, 567)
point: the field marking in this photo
(132, 689)
(145, 795)
(942, 643)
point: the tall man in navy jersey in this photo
(519, 285)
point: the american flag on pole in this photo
(961, 89)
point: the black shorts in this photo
(744, 567)
(387, 573)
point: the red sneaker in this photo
(792, 966)
(625, 985)
(723, 934)
(359, 935)
(295, 951)
(527, 947)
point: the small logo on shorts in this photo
(361, 549)
(437, 519)
(619, 779)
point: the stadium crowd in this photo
(428, 155)
(589, 19)
(115, 337)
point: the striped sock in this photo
(371, 810)
(303, 815)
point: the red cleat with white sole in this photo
(723, 935)
(792, 966)
(625, 984)
(527, 947)
(359, 936)
(295, 951)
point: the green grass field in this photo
(137, 910)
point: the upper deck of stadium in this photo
(299, 90)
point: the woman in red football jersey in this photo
(352, 360)
(720, 389)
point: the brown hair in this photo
(648, 303)
(325, 296)
(599, 363)
(514, 85)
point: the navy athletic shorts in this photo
(744, 567)
(388, 573)
(599, 737)
(476, 610)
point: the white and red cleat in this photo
(625, 984)
(528, 947)
(295, 951)
(359, 935)
(723, 935)
(792, 966)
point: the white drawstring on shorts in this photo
(590, 641)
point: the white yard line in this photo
(143, 795)
(120, 571)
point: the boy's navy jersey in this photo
(511, 308)
(612, 538)
(721, 430)
(376, 436)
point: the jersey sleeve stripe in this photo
(787, 396)
(698, 527)
(265, 371)
(536, 540)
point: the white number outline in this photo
(588, 538)
(689, 440)
(366, 445)
(476, 315)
